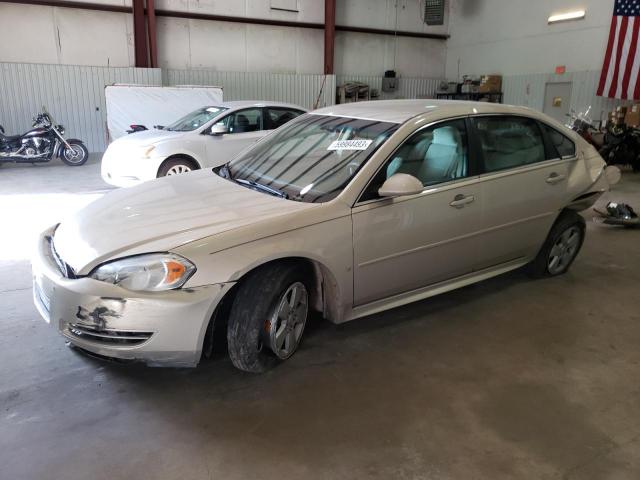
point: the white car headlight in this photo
(154, 272)
(145, 152)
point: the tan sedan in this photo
(348, 210)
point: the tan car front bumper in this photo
(158, 328)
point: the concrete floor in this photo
(510, 378)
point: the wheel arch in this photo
(175, 156)
(326, 296)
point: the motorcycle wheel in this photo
(75, 156)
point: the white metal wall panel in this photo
(407, 87)
(74, 95)
(302, 90)
(529, 90)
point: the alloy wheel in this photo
(564, 250)
(178, 169)
(287, 323)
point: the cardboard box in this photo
(635, 108)
(490, 84)
(632, 119)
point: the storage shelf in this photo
(475, 96)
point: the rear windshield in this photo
(312, 158)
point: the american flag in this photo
(620, 77)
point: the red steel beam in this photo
(153, 35)
(329, 35)
(140, 34)
(225, 18)
(79, 5)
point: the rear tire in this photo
(75, 156)
(177, 166)
(560, 248)
(268, 316)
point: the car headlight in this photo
(154, 272)
(145, 152)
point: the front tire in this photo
(561, 247)
(177, 166)
(75, 156)
(268, 317)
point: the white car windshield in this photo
(195, 119)
(310, 159)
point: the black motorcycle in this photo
(41, 144)
(622, 146)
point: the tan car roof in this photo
(399, 111)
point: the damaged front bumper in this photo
(158, 328)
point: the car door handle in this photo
(460, 201)
(555, 178)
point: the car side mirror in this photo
(401, 185)
(219, 130)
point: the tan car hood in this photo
(161, 215)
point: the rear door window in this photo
(563, 147)
(278, 116)
(509, 142)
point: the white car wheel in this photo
(178, 169)
(177, 166)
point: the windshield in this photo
(195, 119)
(312, 158)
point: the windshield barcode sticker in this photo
(350, 145)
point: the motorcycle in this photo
(41, 144)
(622, 146)
(582, 124)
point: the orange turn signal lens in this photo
(174, 271)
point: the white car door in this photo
(405, 243)
(244, 128)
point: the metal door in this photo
(557, 100)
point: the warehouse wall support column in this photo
(153, 35)
(140, 35)
(329, 35)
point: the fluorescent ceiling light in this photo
(563, 17)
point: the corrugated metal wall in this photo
(74, 95)
(303, 90)
(407, 87)
(529, 90)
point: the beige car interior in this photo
(435, 156)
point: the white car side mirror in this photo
(400, 185)
(219, 130)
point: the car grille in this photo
(64, 268)
(108, 336)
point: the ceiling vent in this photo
(434, 12)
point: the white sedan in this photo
(207, 137)
(349, 210)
